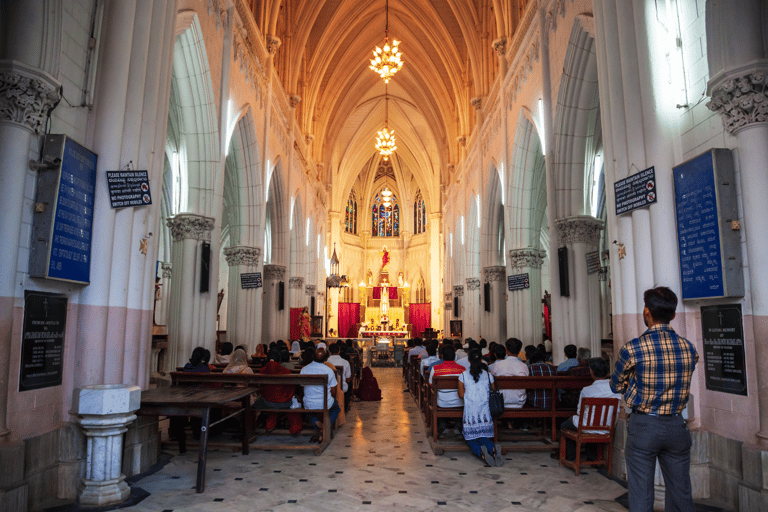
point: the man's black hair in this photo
(571, 351)
(537, 357)
(226, 348)
(599, 367)
(499, 351)
(333, 348)
(432, 348)
(514, 345)
(661, 302)
(273, 355)
(447, 353)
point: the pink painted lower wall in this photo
(35, 412)
(728, 415)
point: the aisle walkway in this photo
(379, 460)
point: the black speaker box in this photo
(562, 259)
(205, 268)
(487, 296)
(456, 307)
(281, 296)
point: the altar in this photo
(392, 334)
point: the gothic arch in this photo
(492, 229)
(527, 188)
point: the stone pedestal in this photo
(104, 413)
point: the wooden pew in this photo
(554, 412)
(257, 380)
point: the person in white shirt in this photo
(510, 366)
(431, 356)
(313, 395)
(336, 360)
(459, 348)
(600, 388)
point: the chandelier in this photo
(387, 60)
(387, 197)
(385, 140)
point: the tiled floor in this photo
(379, 460)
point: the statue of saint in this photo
(384, 257)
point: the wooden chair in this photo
(597, 422)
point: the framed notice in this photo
(128, 188)
(635, 191)
(593, 262)
(709, 249)
(723, 335)
(250, 280)
(62, 225)
(42, 345)
(518, 282)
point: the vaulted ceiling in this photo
(323, 57)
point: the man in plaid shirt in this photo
(654, 373)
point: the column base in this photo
(104, 492)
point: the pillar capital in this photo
(27, 95)
(740, 95)
(274, 272)
(458, 290)
(273, 43)
(296, 282)
(167, 270)
(496, 273)
(190, 226)
(578, 229)
(500, 46)
(473, 283)
(527, 257)
(311, 289)
(242, 255)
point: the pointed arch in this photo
(492, 228)
(277, 218)
(527, 189)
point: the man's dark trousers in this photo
(667, 438)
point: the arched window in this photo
(419, 215)
(385, 215)
(350, 218)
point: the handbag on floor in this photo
(495, 401)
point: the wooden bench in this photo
(257, 380)
(551, 384)
(555, 411)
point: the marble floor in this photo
(380, 459)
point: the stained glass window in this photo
(350, 216)
(385, 220)
(419, 215)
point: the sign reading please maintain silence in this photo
(128, 188)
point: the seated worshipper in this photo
(418, 349)
(459, 348)
(274, 396)
(336, 360)
(570, 397)
(313, 395)
(226, 352)
(259, 353)
(539, 398)
(447, 397)
(509, 365)
(197, 362)
(369, 387)
(600, 372)
(295, 348)
(474, 385)
(431, 356)
(238, 363)
(483, 346)
(321, 344)
(570, 352)
(471, 344)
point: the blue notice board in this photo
(70, 257)
(709, 252)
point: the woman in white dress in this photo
(474, 387)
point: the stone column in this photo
(434, 280)
(524, 306)
(191, 321)
(104, 412)
(273, 326)
(581, 310)
(296, 292)
(244, 311)
(28, 94)
(493, 326)
(472, 301)
(739, 95)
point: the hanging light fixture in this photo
(385, 140)
(387, 197)
(387, 60)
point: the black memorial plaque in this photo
(42, 347)
(723, 334)
(518, 282)
(250, 280)
(635, 191)
(129, 188)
